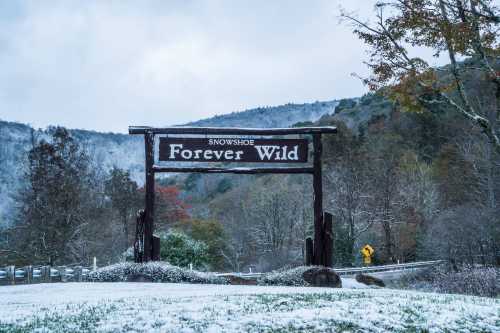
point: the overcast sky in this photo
(105, 65)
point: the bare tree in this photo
(275, 215)
(347, 191)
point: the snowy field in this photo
(168, 307)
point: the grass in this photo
(329, 311)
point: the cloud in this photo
(105, 65)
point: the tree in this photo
(211, 232)
(53, 206)
(464, 234)
(228, 209)
(169, 208)
(277, 218)
(461, 28)
(123, 194)
(457, 183)
(346, 189)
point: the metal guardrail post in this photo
(46, 274)
(78, 274)
(29, 274)
(12, 274)
(62, 273)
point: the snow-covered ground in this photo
(168, 307)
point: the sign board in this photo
(240, 150)
(367, 251)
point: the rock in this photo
(322, 277)
(369, 280)
(236, 280)
(139, 278)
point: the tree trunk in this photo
(388, 240)
(125, 232)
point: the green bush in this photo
(181, 250)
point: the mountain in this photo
(275, 116)
(126, 151)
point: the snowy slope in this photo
(274, 116)
(127, 152)
(155, 307)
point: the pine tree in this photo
(52, 205)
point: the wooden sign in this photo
(233, 150)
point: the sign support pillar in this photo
(149, 141)
(318, 201)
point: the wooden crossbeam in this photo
(231, 130)
(246, 171)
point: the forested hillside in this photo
(106, 149)
(271, 116)
(125, 151)
(414, 185)
(411, 184)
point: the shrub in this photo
(285, 277)
(181, 250)
(156, 271)
(478, 281)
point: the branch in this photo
(479, 120)
(453, 61)
(384, 33)
(490, 16)
(364, 25)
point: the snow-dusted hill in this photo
(127, 152)
(107, 149)
(275, 116)
(168, 307)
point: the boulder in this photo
(236, 280)
(322, 277)
(369, 280)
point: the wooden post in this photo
(155, 255)
(328, 234)
(149, 140)
(139, 237)
(318, 201)
(309, 251)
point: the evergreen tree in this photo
(52, 212)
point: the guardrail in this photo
(45, 274)
(42, 274)
(385, 268)
(357, 270)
